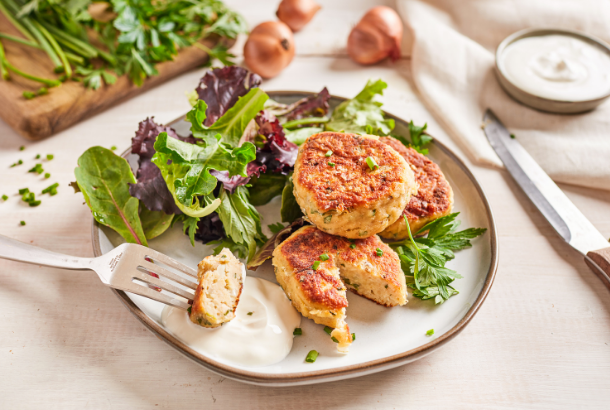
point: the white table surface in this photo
(541, 339)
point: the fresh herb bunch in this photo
(131, 37)
(423, 258)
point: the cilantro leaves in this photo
(423, 258)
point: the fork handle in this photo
(22, 252)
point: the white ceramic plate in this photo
(385, 337)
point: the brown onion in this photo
(376, 36)
(269, 49)
(297, 13)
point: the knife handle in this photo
(599, 262)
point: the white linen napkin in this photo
(453, 68)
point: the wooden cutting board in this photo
(72, 102)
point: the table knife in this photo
(561, 213)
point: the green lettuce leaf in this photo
(290, 210)
(362, 115)
(103, 177)
(240, 219)
(154, 223)
(232, 124)
(186, 170)
(266, 187)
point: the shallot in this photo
(269, 49)
(297, 13)
(376, 36)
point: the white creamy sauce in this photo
(557, 67)
(260, 339)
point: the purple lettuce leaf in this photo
(220, 88)
(231, 183)
(151, 189)
(314, 106)
(209, 228)
(277, 154)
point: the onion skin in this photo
(377, 35)
(297, 13)
(269, 49)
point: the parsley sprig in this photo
(423, 258)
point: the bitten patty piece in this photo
(221, 280)
(368, 267)
(433, 200)
(341, 194)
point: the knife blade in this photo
(550, 200)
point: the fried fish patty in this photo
(221, 280)
(368, 267)
(433, 199)
(339, 192)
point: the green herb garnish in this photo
(37, 169)
(370, 161)
(430, 332)
(250, 313)
(379, 252)
(331, 164)
(24, 191)
(353, 337)
(47, 175)
(311, 356)
(328, 329)
(334, 339)
(324, 257)
(50, 157)
(315, 265)
(353, 246)
(297, 331)
(22, 223)
(37, 156)
(189, 309)
(328, 153)
(113, 148)
(21, 148)
(51, 190)
(5, 197)
(424, 258)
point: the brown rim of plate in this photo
(339, 373)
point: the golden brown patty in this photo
(338, 191)
(433, 199)
(368, 267)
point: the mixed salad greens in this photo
(240, 154)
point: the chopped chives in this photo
(331, 164)
(113, 148)
(22, 223)
(334, 339)
(353, 246)
(324, 257)
(37, 156)
(328, 329)
(28, 95)
(379, 252)
(353, 337)
(47, 176)
(21, 148)
(311, 356)
(5, 197)
(17, 163)
(430, 332)
(24, 191)
(297, 331)
(189, 309)
(370, 161)
(37, 169)
(34, 203)
(50, 156)
(51, 189)
(315, 265)
(250, 313)
(328, 153)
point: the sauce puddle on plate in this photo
(260, 335)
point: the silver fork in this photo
(127, 267)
